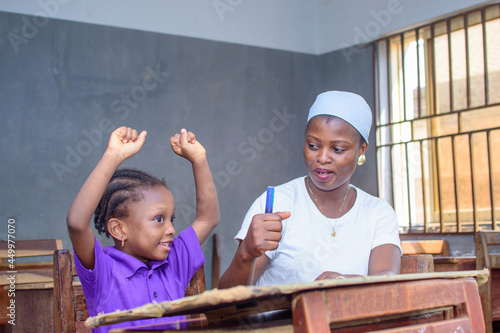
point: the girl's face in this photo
(149, 225)
(331, 151)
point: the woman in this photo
(324, 227)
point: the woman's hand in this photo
(330, 275)
(184, 144)
(264, 233)
(125, 142)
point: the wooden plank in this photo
(456, 325)
(417, 264)
(35, 311)
(427, 246)
(448, 264)
(27, 277)
(215, 261)
(495, 294)
(310, 313)
(30, 248)
(392, 299)
(473, 304)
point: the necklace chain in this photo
(319, 207)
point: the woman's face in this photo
(331, 151)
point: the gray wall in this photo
(65, 86)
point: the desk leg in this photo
(309, 313)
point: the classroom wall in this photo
(71, 84)
(66, 85)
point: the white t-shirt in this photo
(307, 247)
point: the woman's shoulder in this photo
(367, 199)
(291, 188)
(292, 185)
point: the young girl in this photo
(146, 264)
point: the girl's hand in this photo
(125, 142)
(184, 144)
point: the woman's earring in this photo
(123, 242)
(361, 159)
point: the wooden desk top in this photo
(42, 275)
(243, 299)
(452, 260)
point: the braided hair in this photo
(123, 188)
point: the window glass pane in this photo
(422, 129)
(385, 173)
(384, 135)
(383, 90)
(464, 181)
(441, 68)
(475, 59)
(399, 183)
(447, 184)
(427, 154)
(424, 35)
(415, 187)
(458, 61)
(474, 120)
(410, 75)
(480, 168)
(396, 77)
(494, 143)
(493, 53)
(445, 125)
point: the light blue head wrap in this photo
(347, 106)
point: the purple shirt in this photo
(121, 282)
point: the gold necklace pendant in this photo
(319, 207)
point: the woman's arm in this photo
(385, 260)
(249, 260)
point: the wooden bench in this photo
(423, 263)
(433, 305)
(436, 247)
(486, 257)
(70, 310)
(215, 261)
(31, 271)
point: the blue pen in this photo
(269, 199)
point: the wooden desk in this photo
(445, 300)
(448, 264)
(35, 308)
(23, 297)
(445, 264)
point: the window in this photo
(438, 123)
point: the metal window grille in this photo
(438, 123)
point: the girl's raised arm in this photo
(123, 143)
(207, 204)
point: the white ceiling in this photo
(306, 26)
